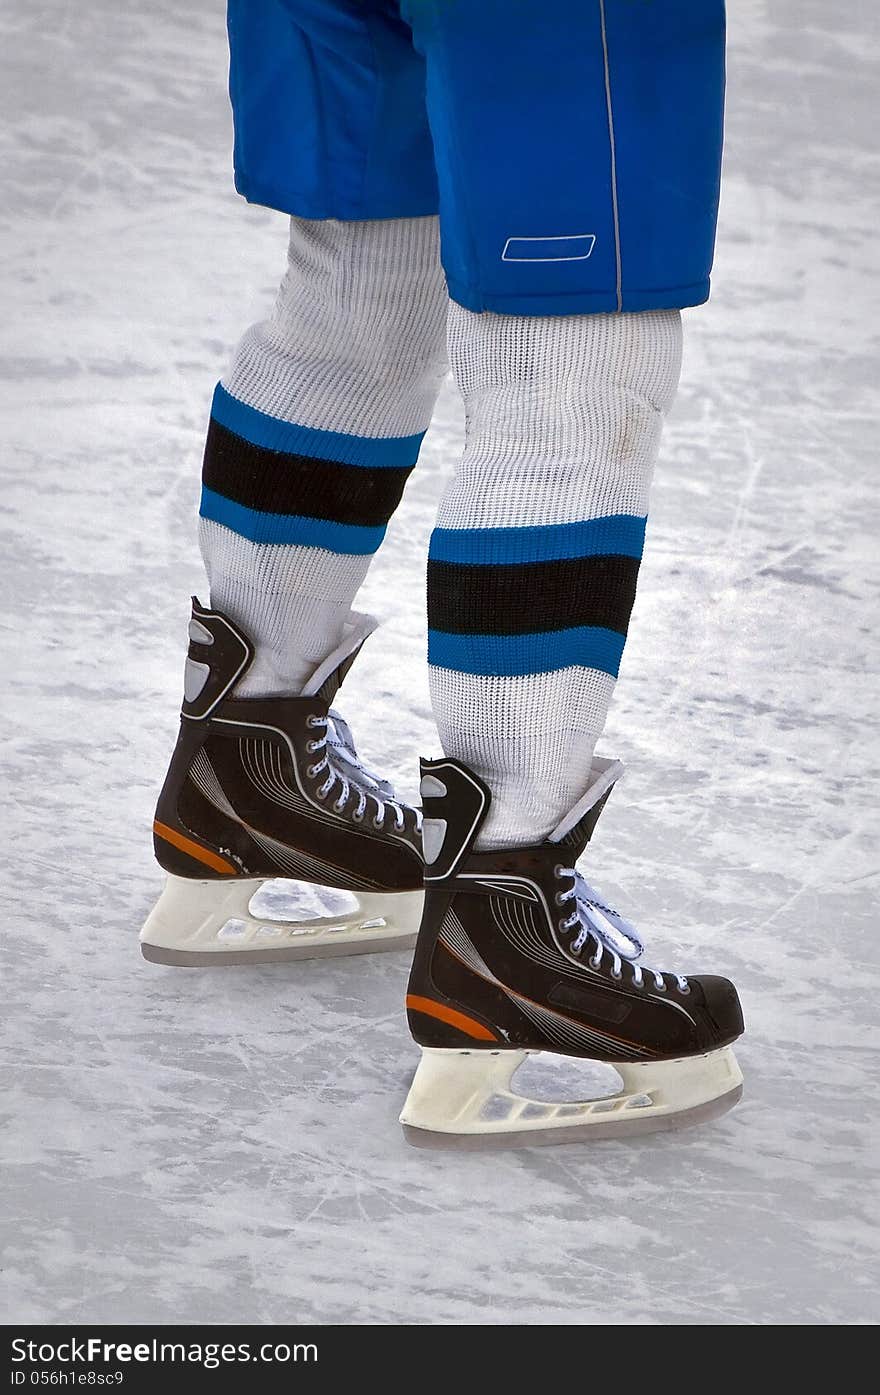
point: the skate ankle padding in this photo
(219, 656)
(455, 803)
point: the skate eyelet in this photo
(685, 992)
(358, 816)
(576, 948)
(616, 974)
(378, 823)
(312, 772)
(312, 745)
(558, 870)
(561, 898)
(339, 807)
(595, 962)
(321, 794)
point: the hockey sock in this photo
(533, 563)
(313, 433)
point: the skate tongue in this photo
(341, 743)
(576, 829)
(607, 924)
(327, 678)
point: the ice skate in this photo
(278, 844)
(516, 954)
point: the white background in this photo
(223, 1146)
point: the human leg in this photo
(316, 427)
(313, 433)
(582, 224)
(534, 560)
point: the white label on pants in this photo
(549, 249)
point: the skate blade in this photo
(467, 1103)
(597, 1132)
(219, 924)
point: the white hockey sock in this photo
(314, 430)
(534, 559)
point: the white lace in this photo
(344, 767)
(609, 930)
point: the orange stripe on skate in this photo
(193, 849)
(468, 1025)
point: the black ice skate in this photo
(517, 953)
(264, 789)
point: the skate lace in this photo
(609, 931)
(344, 768)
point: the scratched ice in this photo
(224, 1146)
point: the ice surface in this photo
(224, 1146)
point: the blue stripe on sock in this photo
(274, 434)
(620, 534)
(286, 529)
(508, 656)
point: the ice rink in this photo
(223, 1146)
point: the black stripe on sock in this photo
(533, 597)
(273, 481)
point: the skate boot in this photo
(278, 844)
(517, 953)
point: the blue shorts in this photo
(571, 147)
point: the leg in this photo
(587, 186)
(312, 436)
(569, 254)
(313, 433)
(320, 417)
(351, 361)
(534, 560)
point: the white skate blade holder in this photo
(228, 921)
(464, 1099)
